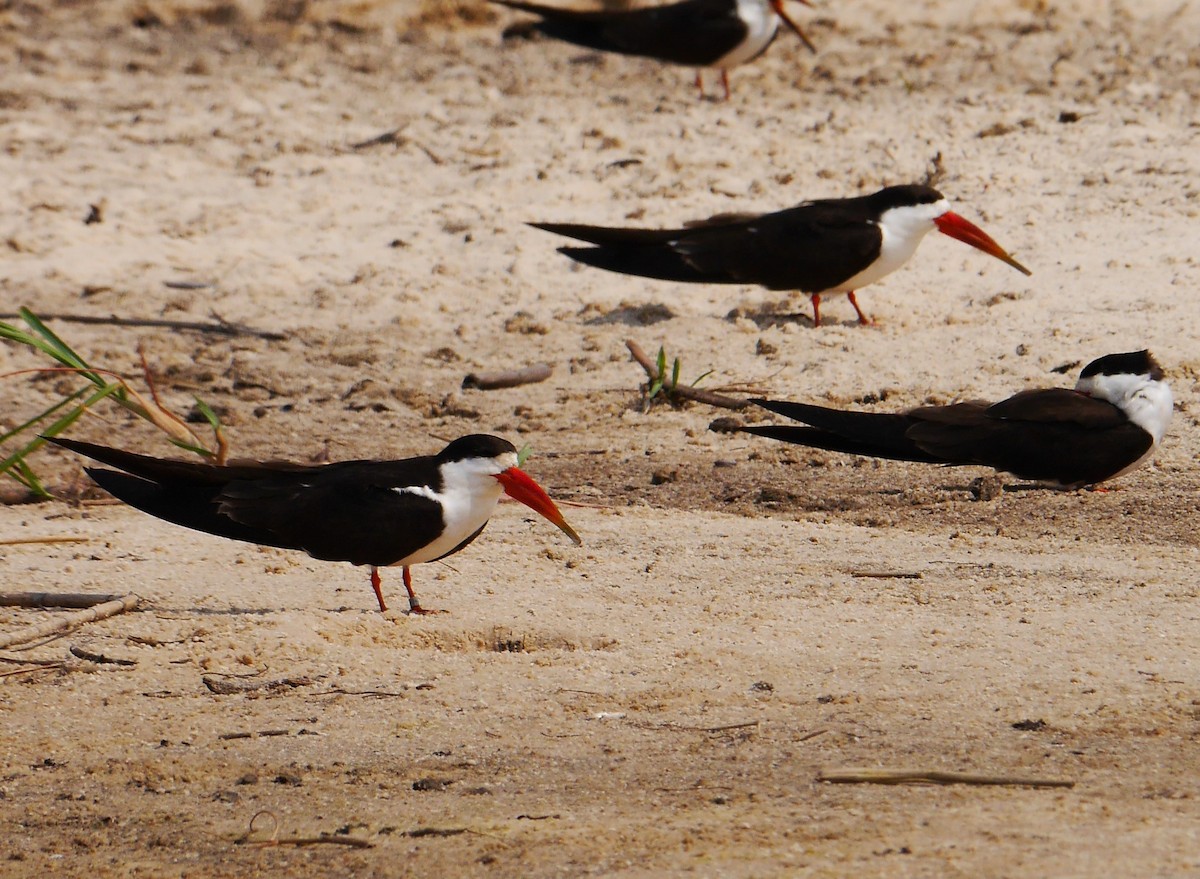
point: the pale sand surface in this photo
(661, 700)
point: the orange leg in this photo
(725, 82)
(414, 603)
(700, 83)
(816, 303)
(862, 318)
(377, 585)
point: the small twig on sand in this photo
(54, 599)
(724, 728)
(274, 839)
(397, 137)
(71, 621)
(888, 575)
(387, 137)
(261, 734)
(420, 832)
(99, 658)
(686, 392)
(917, 776)
(511, 378)
(218, 325)
(226, 687)
(26, 669)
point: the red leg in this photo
(725, 82)
(377, 585)
(816, 302)
(414, 603)
(862, 318)
(700, 83)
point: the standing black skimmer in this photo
(720, 34)
(831, 245)
(1108, 425)
(377, 513)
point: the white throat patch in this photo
(902, 230)
(470, 492)
(1145, 402)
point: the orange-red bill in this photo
(967, 232)
(777, 5)
(520, 487)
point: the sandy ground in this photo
(742, 615)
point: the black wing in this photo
(858, 433)
(811, 248)
(1054, 434)
(354, 512)
(693, 32)
(349, 511)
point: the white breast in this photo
(468, 498)
(761, 23)
(902, 230)
(1146, 402)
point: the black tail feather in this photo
(172, 471)
(660, 263)
(606, 236)
(859, 433)
(192, 506)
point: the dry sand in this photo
(661, 700)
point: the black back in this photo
(348, 511)
(1052, 434)
(812, 247)
(692, 32)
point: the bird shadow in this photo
(767, 316)
(633, 315)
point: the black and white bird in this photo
(717, 34)
(376, 513)
(832, 245)
(1108, 425)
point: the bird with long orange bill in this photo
(830, 245)
(714, 34)
(375, 513)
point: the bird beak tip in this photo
(520, 487)
(777, 5)
(967, 232)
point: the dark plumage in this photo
(696, 33)
(376, 513)
(819, 246)
(1104, 428)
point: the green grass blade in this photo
(61, 350)
(8, 331)
(55, 429)
(16, 475)
(51, 344)
(209, 415)
(65, 401)
(28, 479)
(523, 454)
(191, 447)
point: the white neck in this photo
(1145, 401)
(902, 230)
(469, 494)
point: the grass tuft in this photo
(98, 385)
